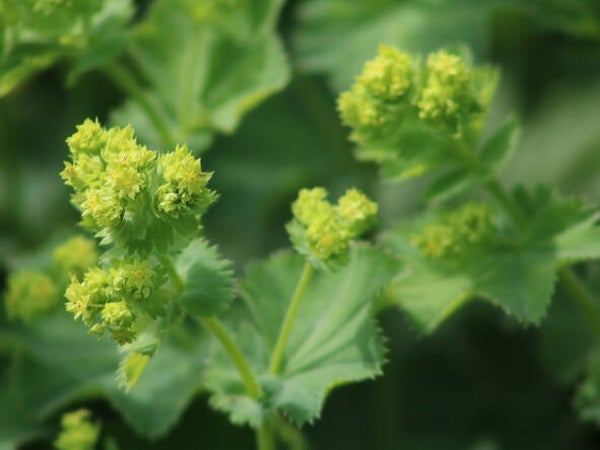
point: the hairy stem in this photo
(288, 321)
(252, 387)
(582, 296)
(126, 81)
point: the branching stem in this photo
(252, 387)
(286, 328)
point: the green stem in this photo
(252, 387)
(265, 438)
(170, 268)
(129, 84)
(582, 296)
(289, 434)
(290, 315)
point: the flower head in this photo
(77, 432)
(323, 231)
(457, 233)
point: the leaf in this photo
(59, 364)
(337, 36)
(517, 274)
(501, 146)
(86, 33)
(208, 280)
(334, 339)
(204, 71)
(450, 184)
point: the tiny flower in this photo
(136, 279)
(389, 76)
(184, 191)
(101, 208)
(448, 94)
(457, 233)
(89, 139)
(356, 211)
(77, 432)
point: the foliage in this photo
(473, 290)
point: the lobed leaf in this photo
(334, 339)
(517, 273)
(208, 280)
(204, 70)
(501, 146)
(45, 378)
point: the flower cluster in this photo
(457, 233)
(447, 94)
(413, 117)
(128, 194)
(30, 295)
(380, 95)
(396, 87)
(77, 432)
(115, 299)
(322, 231)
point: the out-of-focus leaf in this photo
(518, 275)
(37, 33)
(57, 363)
(337, 36)
(501, 146)
(560, 144)
(206, 65)
(334, 339)
(450, 184)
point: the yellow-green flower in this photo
(328, 229)
(30, 295)
(77, 432)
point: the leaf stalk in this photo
(286, 328)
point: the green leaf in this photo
(579, 243)
(334, 339)
(517, 273)
(58, 364)
(501, 146)
(450, 184)
(337, 36)
(208, 280)
(204, 71)
(35, 37)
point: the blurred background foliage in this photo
(481, 382)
